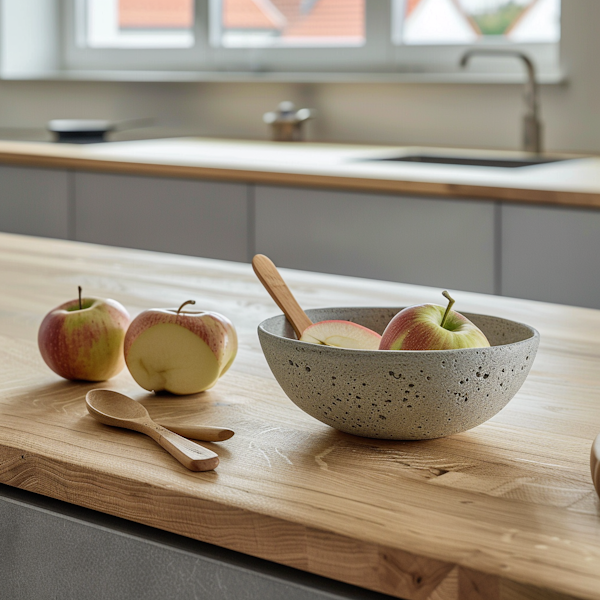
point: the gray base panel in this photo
(52, 550)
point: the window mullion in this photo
(378, 15)
(202, 48)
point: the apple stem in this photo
(79, 290)
(185, 304)
(450, 305)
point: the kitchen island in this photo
(504, 511)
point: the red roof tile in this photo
(247, 14)
(330, 18)
(321, 18)
(156, 13)
(411, 5)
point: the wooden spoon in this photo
(269, 276)
(204, 433)
(118, 410)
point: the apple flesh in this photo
(431, 327)
(83, 339)
(182, 352)
(341, 334)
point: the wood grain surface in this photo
(325, 166)
(505, 511)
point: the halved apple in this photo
(341, 334)
(182, 352)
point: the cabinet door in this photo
(551, 254)
(198, 218)
(34, 201)
(435, 242)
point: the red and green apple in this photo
(431, 327)
(82, 339)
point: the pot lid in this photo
(73, 125)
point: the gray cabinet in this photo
(192, 217)
(34, 201)
(434, 242)
(535, 252)
(52, 550)
(551, 254)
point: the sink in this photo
(505, 163)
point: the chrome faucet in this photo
(532, 126)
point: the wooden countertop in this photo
(506, 510)
(572, 183)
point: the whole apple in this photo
(83, 338)
(431, 327)
(179, 351)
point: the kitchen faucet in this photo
(532, 126)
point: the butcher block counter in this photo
(504, 511)
(574, 182)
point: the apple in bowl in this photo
(431, 327)
(179, 351)
(82, 339)
(341, 334)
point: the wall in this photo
(467, 115)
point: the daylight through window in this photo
(139, 23)
(477, 21)
(319, 35)
(246, 23)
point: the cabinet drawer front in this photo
(198, 218)
(34, 201)
(551, 254)
(434, 242)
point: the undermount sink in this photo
(506, 163)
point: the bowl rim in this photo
(322, 347)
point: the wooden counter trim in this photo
(371, 566)
(357, 184)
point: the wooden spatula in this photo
(269, 276)
(118, 410)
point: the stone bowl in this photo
(399, 395)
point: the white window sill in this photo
(450, 77)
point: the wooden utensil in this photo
(118, 410)
(204, 433)
(595, 463)
(269, 276)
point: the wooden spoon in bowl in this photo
(118, 410)
(269, 276)
(337, 333)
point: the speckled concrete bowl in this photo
(399, 395)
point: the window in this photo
(477, 21)
(138, 24)
(369, 36)
(289, 23)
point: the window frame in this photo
(379, 55)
